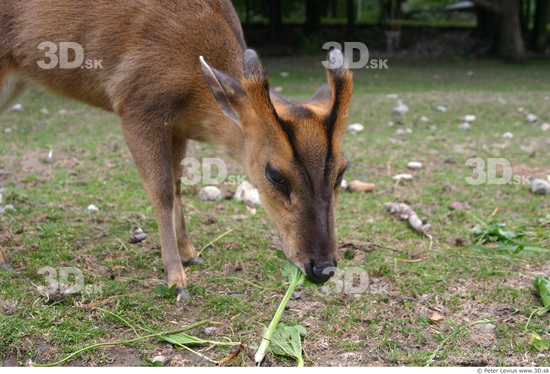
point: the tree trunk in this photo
(275, 18)
(350, 5)
(512, 48)
(510, 40)
(334, 8)
(313, 17)
(541, 20)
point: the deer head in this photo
(293, 155)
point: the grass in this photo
(388, 324)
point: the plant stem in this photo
(266, 339)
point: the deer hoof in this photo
(193, 261)
(5, 266)
(182, 294)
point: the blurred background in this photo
(514, 30)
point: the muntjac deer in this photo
(179, 70)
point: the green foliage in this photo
(538, 343)
(152, 363)
(508, 239)
(287, 341)
(542, 285)
(165, 291)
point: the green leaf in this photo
(163, 290)
(542, 285)
(287, 341)
(539, 343)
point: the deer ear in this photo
(226, 90)
(340, 80)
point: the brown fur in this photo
(152, 79)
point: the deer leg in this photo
(185, 246)
(151, 148)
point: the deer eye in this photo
(274, 177)
(339, 178)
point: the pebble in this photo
(7, 208)
(464, 126)
(92, 208)
(457, 205)
(247, 194)
(284, 74)
(356, 127)
(545, 126)
(402, 176)
(45, 111)
(62, 111)
(440, 108)
(210, 193)
(278, 89)
(295, 296)
(17, 108)
(424, 119)
(252, 198)
(414, 165)
(138, 236)
(400, 132)
(159, 359)
(507, 135)
(469, 118)
(540, 187)
(531, 118)
(344, 185)
(210, 331)
(391, 96)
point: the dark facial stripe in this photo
(330, 123)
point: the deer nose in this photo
(320, 273)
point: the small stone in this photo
(440, 108)
(358, 186)
(17, 108)
(7, 130)
(402, 176)
(252, 198)
(278, 89)
(138, 238)
(62, 111)
(432, 128)
(92, 208)
(400, 132)
(470, 73)
(295, 296)
(464, 126)
(242, 189)
(7, 208)
(210, 193)
(45, 111)
(284, 74)
(344, 185)
(545, 126)
(531, 118)
(457, 205)
(356, 127)
(159, 359)
(507, 135)
(391, 123)
(414, 165)
(469, 118)
(210, 331)
(540, 187)
(391, 96)
(424, 119)
(408, 131)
